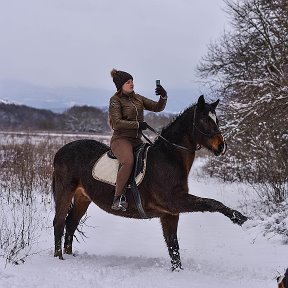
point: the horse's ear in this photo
(201, 102)
(286, 278)
(215, 104)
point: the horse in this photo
(164, 189)
(282, 281)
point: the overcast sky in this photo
(77, 42)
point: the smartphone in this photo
(158, 83)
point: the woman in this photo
(126, 118)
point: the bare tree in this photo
(250, 65)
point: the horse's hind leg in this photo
(63, 195)
(78, 209)
(169, 227)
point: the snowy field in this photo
(131, 253)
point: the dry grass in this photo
(26, 162)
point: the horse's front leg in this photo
(169, 227)
(191, 203)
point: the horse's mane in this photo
(178, 125)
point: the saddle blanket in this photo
(106, 169)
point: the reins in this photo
(198, 147)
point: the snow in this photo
(121, 252)
(5, 101)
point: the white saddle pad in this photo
(106, 169)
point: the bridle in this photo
(198, 146)
(202, 132)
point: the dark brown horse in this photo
(282, 281)
(164, 189)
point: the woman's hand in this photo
(143, 125)
(160, 91)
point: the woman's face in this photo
(128, 86)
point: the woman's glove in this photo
(143, 125)
(160, 91)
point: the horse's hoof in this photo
(238, 218)
(68, 249)
(177, 267)
(58, 254)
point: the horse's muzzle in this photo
(222, 148)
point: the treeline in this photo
(75, 119)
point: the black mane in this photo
(178, 126)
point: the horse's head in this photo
(205, 127)
(282, 281)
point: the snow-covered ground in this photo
(131, 253)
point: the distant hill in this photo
(75, 119)
(59, 98)
(56, 99)
(18, 117)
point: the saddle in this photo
(107, 166)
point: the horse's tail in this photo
(53, 186)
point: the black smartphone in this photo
(158, 83)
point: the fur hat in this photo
(120, 78)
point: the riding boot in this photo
(119, 203)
